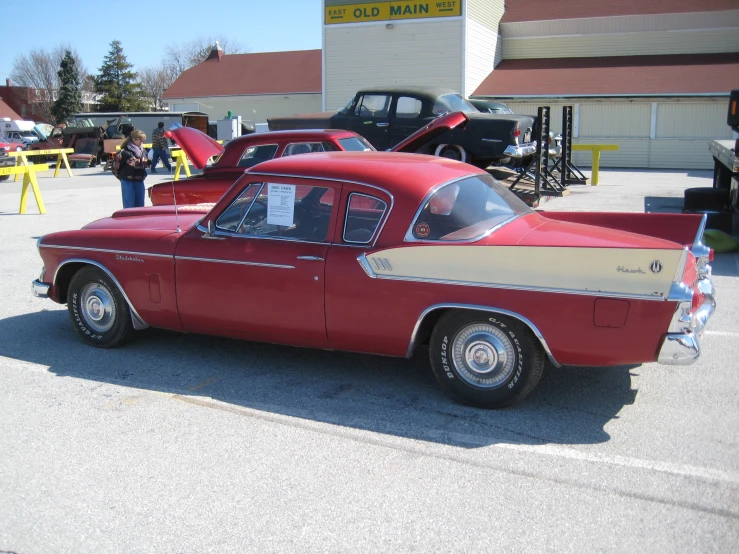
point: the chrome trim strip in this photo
(346, 216)
(603, 294)
(233, 262)
(311, 258)
(138, 322)
(228, 234)
(514, 315)
(680, 269)
(335, 180)
(701, 229)
(105, 250)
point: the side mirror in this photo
(211, 228)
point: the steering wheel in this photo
(364, 112)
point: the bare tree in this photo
(154, 81)
(184, 56)
(38, 69)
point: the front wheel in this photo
(97, 309)
(451, 151)
(487, 360)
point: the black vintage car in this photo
(386, 116)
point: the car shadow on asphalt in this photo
(392, 396)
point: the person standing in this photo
(133, 169)
(160, 147)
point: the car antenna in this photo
(168, 134)
(176, 215)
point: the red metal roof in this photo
(540, 10)
(618, 75)
(7, 111)
(297, 71)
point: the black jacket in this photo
(133, 167)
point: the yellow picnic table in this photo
(61, 157)
(595, 150)
(29, 178)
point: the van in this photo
(17, 132)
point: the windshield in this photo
(465, 210)
(453, 103)
(346, 108)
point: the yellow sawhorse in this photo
(61, 158)
(595, 149)
(181, 161)
(29, 179)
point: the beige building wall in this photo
(663, 134)
(482, 42)
(409, 53)
(252, 108)
(683, 33)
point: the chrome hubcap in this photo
(483, 355)
(98, 307)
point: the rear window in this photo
(355, 144)
(465, 210)
(256, 154)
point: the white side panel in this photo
(255, 109)
(623, 44)
(693, 120)
(416, 53)
(481, 54)
(680, 154)
(622, 119)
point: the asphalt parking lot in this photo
(180, 443)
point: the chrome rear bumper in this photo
(41, 290)
(682, 348)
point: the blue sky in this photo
(146, 28)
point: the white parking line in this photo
(721, 333)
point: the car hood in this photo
(198, 146)
(153, 218)
(427, 133)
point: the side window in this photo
(298, 212)
(373, 105)
(408, 107)
(363, 215)
(256, 154)
(232, 216)
(303, 148)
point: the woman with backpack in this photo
(132, 170)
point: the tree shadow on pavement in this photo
(379, 394)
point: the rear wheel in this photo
(97, 309)
(706, 198)
(487, 360)
(451, 151)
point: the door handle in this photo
(311, 258)
(383, 124)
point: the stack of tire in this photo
(715, 202)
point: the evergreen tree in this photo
(69, 101)
(117, 83)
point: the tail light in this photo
(710, 255)
(697, 301)
(516, 134)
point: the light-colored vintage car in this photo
(386, 253)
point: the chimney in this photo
(216, 53)
(8, 82)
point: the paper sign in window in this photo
(280, 205)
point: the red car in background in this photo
(5, 159)
(249, 150)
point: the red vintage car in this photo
(383, 253)
(249, 150)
